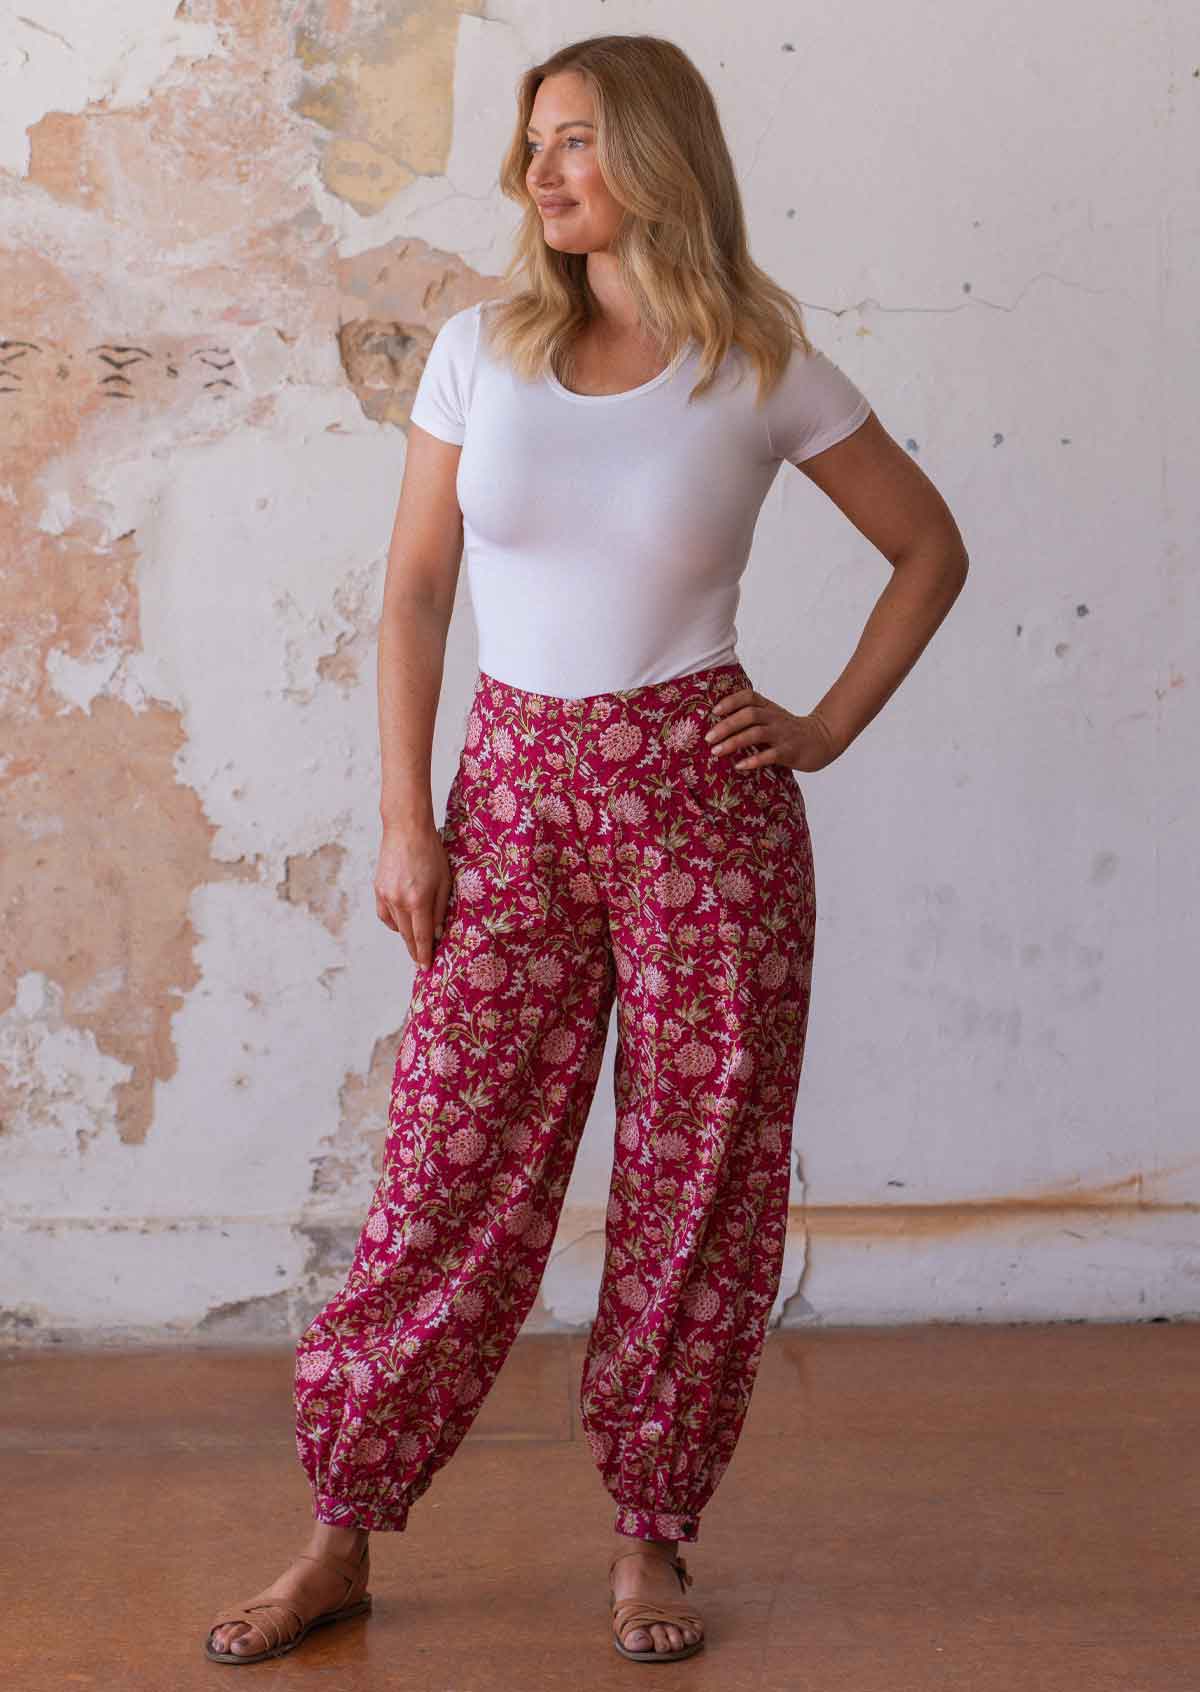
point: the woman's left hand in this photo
(764, 733)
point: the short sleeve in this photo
(814, 406)
(441, 400)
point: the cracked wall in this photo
(229, 234)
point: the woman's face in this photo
(561, 148)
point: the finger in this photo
(740, 696)
(440, 906)
(764, 755)
(723, 731)
(755, 740)
(731, 702)
(382, 912)
(423, 936)
(740, 739)
(403, 922)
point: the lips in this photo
(557, 205)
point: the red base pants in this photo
(600, 850)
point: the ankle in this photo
(633, 1542)
(342, 1542)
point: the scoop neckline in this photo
(626, 393)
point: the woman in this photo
(624, 826)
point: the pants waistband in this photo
(710, 684)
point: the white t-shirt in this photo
(605, 535)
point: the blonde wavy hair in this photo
(681, 248)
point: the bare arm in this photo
(890, 500)
(412, 883)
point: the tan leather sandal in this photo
(631, 1613)
(281, 1624)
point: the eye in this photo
(531, 146)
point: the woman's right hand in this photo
(413, 884)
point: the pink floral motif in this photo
(517, 1138)
(695, 1057)
(428, 1303)
(702, 1303)
(444, 1060)
(655, 981)
(540, 1232)
(558, 1045)
(545, 970)
(583, 889)
(502, 803)
(519, 1217)
(741, 1064)
(675, 887)
(553, 808)
(466, 1145)
(602, 858)
(682, 734)
(485, 973)
(621, 741)
(470, 885)
(737, 884)
(629, 808)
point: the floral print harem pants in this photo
(600, 851)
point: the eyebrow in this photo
(571, 123)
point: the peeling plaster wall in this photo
(228, 234)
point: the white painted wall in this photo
(991, 214)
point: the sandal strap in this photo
(345, 1566)
(677, 1563)
(631, 1613)
(271, 1628)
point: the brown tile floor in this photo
(990, 1509)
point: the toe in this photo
(250, 1639)
(639, 1640)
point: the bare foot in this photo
(313, 1587)
(651, 1577)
